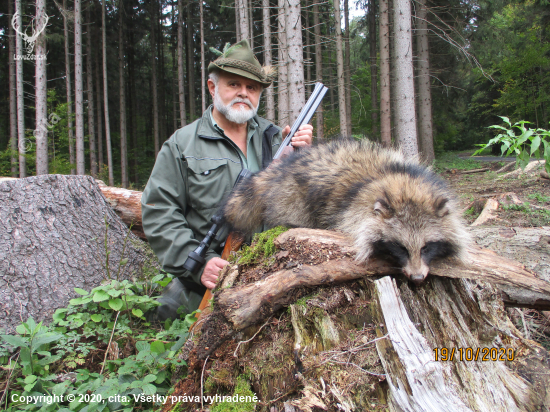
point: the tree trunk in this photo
(21, 142)
(295, 45)
(203, 68)
(307, 50)
(425, 126)
(79, 92)
(385, 111)
(268, 59)
(373, 68)
(405, 113)
(106, 98)
(90, 95)
(318, 66)
(181, 87)
(243, 20)
(41, 90)
(347, 67)
(100, 159)
(122, 94)
(345, 336)
(154, 89)
(282, 84)
(344, 127)
(68, 86)
(250, 7)
(56, 234)
(190, 63)
(13, 94)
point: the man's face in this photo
(236, 97)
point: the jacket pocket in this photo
(208, 181)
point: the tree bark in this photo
(106, 97)
(190, 63)
(282, 84)
(373, 68)
(122, 95)
(295, 47)
(90, 95)
(55, 233)
(154, 89)
(425, 123)
(268, 59)
(79, 90)
(243, 20)
(41, 90)
(181, 84)
(318, 67)
(68, 86)
(203, 68)
(385, 111)
(405, 113)
(21, 142)
(13, 94)
(347, 67)
(100, 159)
(344, 127)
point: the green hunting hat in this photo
(239, 59)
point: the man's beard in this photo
(235, 115)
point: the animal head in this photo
(412, 219)
(36, 30)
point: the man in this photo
(198, 165)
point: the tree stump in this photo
(57, 232)
(356, 339)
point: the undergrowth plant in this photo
(529, 142)
(68, 358)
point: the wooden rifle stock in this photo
(232, 244)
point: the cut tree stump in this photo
(53, 238)
(460, 309)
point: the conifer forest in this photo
(95, 87)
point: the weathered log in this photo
(467, 172)
(487, 213)
(450, 347)
(125, 202)
(57, 232)
(241, 306)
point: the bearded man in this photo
(198, 165)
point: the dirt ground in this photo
(473, 190)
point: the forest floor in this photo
(473, 189)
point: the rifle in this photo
(234, 241)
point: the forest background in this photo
(141, 78)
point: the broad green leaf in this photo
(80, 291)
(506, 120)
(157, 347)
(115, 304)
(137, 312)
(96, 318)
(13, 340)
(31, 379)
(161, 376)
(21, 329)
(76, 301)
(535, 144)
(149, 378)
(100, 296)
(45, 338)
(142, 345)
(149, 389)
(114, 292)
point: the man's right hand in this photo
(211, 270)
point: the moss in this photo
(262, 246)
(242, 389)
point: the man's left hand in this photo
(303, 137)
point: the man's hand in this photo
(210, 274)
(303, 137)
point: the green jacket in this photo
(194, 171)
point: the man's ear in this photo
(211, 87)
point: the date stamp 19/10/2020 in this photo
(474, 354)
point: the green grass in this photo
(451, 160)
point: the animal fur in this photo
(388, 203)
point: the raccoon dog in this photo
(388, 203)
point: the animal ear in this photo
(382, 208)
(442, 207)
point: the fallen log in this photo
(467, 172)
(336, 328)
